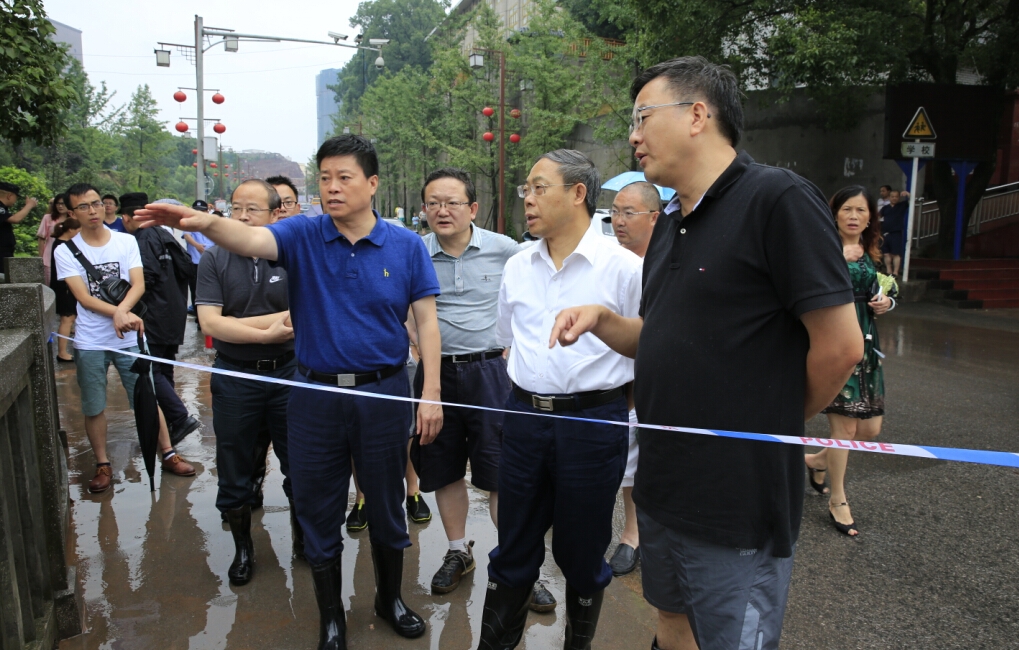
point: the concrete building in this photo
(70, 37)
(515, 15)
(325, 102)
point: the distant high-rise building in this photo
(325, 101)
(71, 37)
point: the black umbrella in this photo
(146, 412)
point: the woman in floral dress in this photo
(857, 411)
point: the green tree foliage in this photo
(33, 93)
(406, 23)
(32, 186)
(147, 148)
(557, 74)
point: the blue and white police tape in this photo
(1000, 458)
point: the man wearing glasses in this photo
(469, 262)
(243, 303)
(102, 325)
(746, 324)
(634, 214)
(288, 196)
(559, 472)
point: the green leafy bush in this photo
(30, 186)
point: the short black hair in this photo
(696, 78)
(886, 187)
(110, 196)
(282, 180)
(349, 144)
(78, 189)
(274, 197)
(455, 173)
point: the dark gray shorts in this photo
(734, 598)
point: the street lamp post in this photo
(230, 40)
(478, 61)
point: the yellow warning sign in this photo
(920, 126)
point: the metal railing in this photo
(998, 202)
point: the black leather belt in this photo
(261, 365)
(472, 357)
(574, 402)
(352, 379)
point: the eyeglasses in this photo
(628, 214)
(538, 190)
(236, 209)
(84, 208)
(435, 206)
(637, 121)
(288, 203)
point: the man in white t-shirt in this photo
(101, 327)
(634, 214)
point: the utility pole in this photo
(200, 188)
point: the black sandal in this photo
(845, 529)
(818, 487)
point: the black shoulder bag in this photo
(113, 289)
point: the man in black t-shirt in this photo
(747, 324)
(243, 304)
(9, 193)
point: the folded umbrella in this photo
(146, 412)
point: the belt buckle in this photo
(542, 403)
(461, 358)
(346, 381)
(270, 365)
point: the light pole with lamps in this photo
(231, 40)
(477, 61)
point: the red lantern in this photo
(179, 96)
(488, 111)
(515, 113)
(226, 166)
(218, 128)
(216, 174)
(182, 127)
(194, 164)
(212, 164)
(218, 99)
(194, 152)
(488, 136)
(515, 138)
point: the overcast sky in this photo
(269, 87)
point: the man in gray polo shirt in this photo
(468, 262)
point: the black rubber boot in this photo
(328, 581)
(388, 601)
(504, 616)
(581, 618)
(296, 533)
(243, 566)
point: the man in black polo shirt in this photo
(747, 324)
(243, 305)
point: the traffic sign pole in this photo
(909, 218)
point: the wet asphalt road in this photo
(936, 565)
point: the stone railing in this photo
(39, 600)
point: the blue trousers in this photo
(560, 474)
(327, 430)
(241, 410)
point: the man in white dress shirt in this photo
(559, 472)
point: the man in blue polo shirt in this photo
(352, 278)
